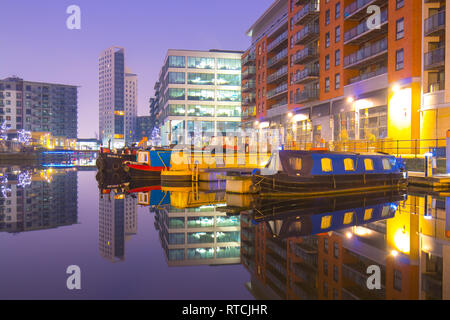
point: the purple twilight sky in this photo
(37, 46)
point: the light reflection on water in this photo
(150, 242)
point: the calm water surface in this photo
(144, 242)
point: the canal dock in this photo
(439, 181)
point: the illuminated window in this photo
(349, 164)
(348, 217)
(368, 214)
(327, 165)
(326, 222)
(296, 163)
(386, 164)
(368, 164)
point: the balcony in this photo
(249, 59)
(249, 86)
(278, 43)
(361, 33)
(435, 25)
(368, 75)
(279, 104)
(308, 74)
(278, 91)
(279, 75)
(248, 101)
(301, 2)
(307, 54)
(304, 292)
(367, 55)
(307, 95)
(358, 9)
(436, 86)
(308, 13)
(249, 73)
(279, 59)
(308, 33)
(434, 59)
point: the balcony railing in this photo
(307, 54)
(279, 104)
(435, 23)
(248, 86)
(363, 28)
(308, 12)
(278, 41)
(357, 6)
(279, 74)
(249, 59)
(434, 59)
(307, 74)
(307, 95)
(251, 71)
(278, 58)
(366, 53)
(436, 86)
(278, 90)
(248, 101)
(368, 75)
(309, 32)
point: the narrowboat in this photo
(110, 162)
(148, 164)
(299, 218)
(309, 173)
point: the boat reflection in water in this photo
(37, 199)
(321, 248)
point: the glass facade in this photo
(177, 62)
(200, 253)
(177, 78)
(228, 79)
(201, 78)
(228, 111)
(200, 63)
(232, 236)
(200, 237)
(228, 252)
(229, 95)
(344, 126)
(373, 123)
(228, 64)
(176, 94)
(177, 110)
(200, 222)
(200, 111)
(200, 95)
(225, 221)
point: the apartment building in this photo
(199, 92)
(117, 99)
(39, 107)
(345, 70)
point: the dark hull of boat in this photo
(137, 174)
(282, 184)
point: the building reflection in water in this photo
(117, 216)
(193, 231)
(309, 252)
(33, 199)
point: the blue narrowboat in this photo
(303, 218)
(303, 173)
